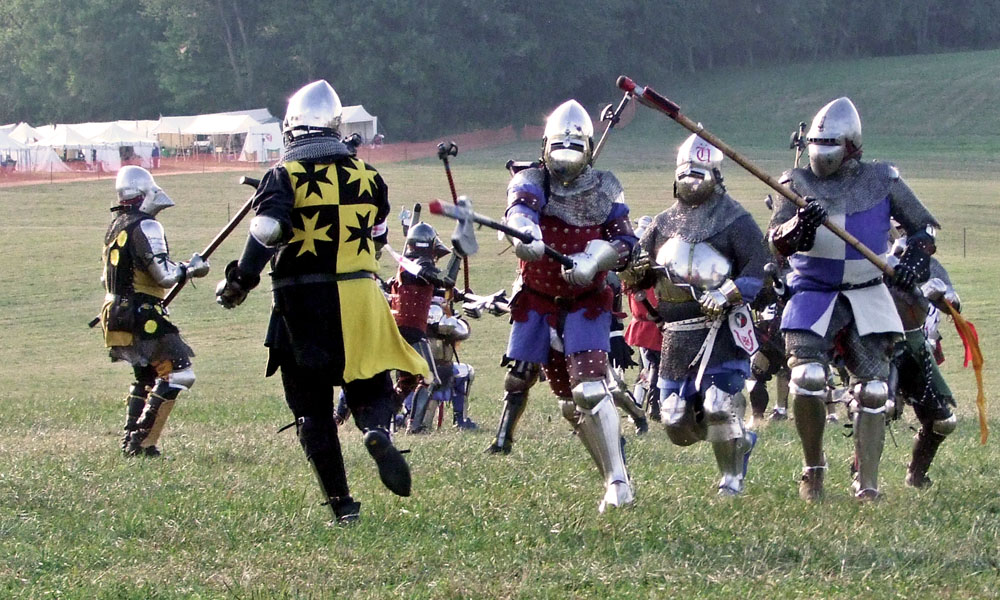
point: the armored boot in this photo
(418, 416)
(925, 446)
(513, 407)
(599, 428)
(869, 436)
(633, 410)
(321, 445)
(392, 467)
(150, 424)
(733, 458)
(134, 405)
(459, 419)
(628, 403)
(811, 484)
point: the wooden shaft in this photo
(216, 241)
(652, 99)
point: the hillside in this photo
(931, 111)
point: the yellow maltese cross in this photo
(363, 175)
(309, 235)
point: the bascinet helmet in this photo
(422, 243)
(313, 110)
(136, 189)
(835, 136)
(568, 141)
(698, 173)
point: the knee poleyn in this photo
(872, 396)
(943, 427)
(808, 379)
(587, 394)
(183, 379)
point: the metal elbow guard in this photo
(604, 254)
(165, 272)
(266, 230)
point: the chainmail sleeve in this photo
(905, 207)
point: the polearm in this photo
(612, 117)
(212, 246)
(444, 151)
(649, 97)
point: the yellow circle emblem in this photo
(150, 326)
(122, 238)
(113, 257)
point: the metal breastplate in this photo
(688, 269)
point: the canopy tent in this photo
(64, 136)
(16, 156)
(12, 153)
(263, 143)
(220, 125)
(183, 131)
(356, 119)
(24, 133)
(7, 128)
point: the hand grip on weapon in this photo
(527, 251)
(649, 97)
(233, 290)
(464, 236)
(197, 266)
(599, 255)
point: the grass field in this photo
(232, 510)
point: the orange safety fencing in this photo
(205, 163)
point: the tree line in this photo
(426, 66)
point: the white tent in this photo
(263, 143)
(13, 153)
(220, 125)
(356, 119)
(64, 136)
(24, 133)
(7, 128)
(29, 158)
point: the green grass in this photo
(232, 510)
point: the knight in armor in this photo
(561, 318)
(705, 257)
(320, 218)
(769, 362)
(445, 331)
(412, 300)
(138, 272)
(643, 332)
(914, 375)
(838, 298)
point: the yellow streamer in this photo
(968, 336)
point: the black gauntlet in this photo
(915, 263)
(798, 234)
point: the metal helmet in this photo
(568, 141)
(422, 243)
(697, 174)
(137, 189)
(835, 136)
(315, 108)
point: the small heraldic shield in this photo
(741, 326)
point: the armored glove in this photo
(527, 251)
(197, 266)
(915, 263)
(233, 290)
(715, 302)
(598, 256)
(621, 353)
(799, 234)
